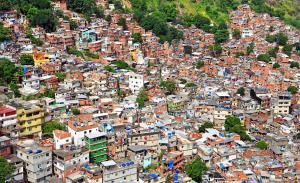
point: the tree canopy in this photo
(8, 71)
(293, 89)
(196, 169)
(169, 86)
(4, 33)
(207, 124)
(241, 91)
(142, 98)
(262, 144)
(264, 57)
(6, 169)
(233, 124)
(26, 59)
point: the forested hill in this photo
(218, 10)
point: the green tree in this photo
(272, 52)
(6, 5)
(82, 6)
(26, 59)
(276, 65)
(241, 91)
(281, 39)
(196, 169)
(199, 64)
(204, 126)
(270, 38)
(14, 87)
(190, 85)
(4, 33)
(236, 33)
(61, 76)
(231, 121)
(142, 98)
(221, 35)
(6, 169)
(91, 54)
(262, 144)
(200, 21)
(264, 57)
(169, 86)
(49, 93)
(239, 54)
(46, 19)
(293, 89)
(122, 22)
(169, 10)
(250, 48)
(137, 38)
(48, 127)
(216, 49)
(75, 111)
(233, 125)
(109, 69)
(73, 25)
(294, 64)
(287, 49)
(7, 70)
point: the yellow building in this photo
(40, 58)
(30, 119)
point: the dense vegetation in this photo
(6, 169)
(196, 169)
(233, 124)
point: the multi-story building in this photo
(69, 161)
(37, 162)
(18, 175)
(61, 139)
(136, 82)
(5, 146)
(97, 145)
(145, 138)
(8, 119)
(30, 119)
(281, 104)
(79, 129)
(122, 171)
(219, 116)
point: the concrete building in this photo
(96, 143)
(281, 104)
(37, 162)
(30, 119)
(69, 161)
(122, 171)
(8, 119)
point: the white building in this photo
(136, 82)
(79, 129)
(247, 33)
(61, 139)
(32, 82)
